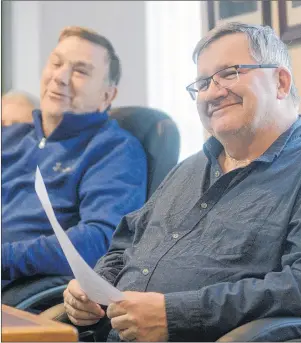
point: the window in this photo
(173, 30)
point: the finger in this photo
(73, 302)
(75, 289)
(128, 335)
(115, 310)
(88, 306)
(79, 314)
(121, 322)
(82, 322)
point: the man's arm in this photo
(111, 188)
(112, 263)
(214, 310)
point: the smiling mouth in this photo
(57, 95)
(211, 113)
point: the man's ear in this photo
(284, 82)
(109, 95)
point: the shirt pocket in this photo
(233, 233)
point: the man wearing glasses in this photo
(219, 244)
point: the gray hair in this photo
(265, 47)
(30, 98)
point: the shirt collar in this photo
(213, 148)
(71, 124)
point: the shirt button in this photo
(175, 235)
(204, 205)
(145, 271)
(217, 173)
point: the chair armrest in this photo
(57, 313)
(101, 329)
(266, 330)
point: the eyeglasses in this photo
(225, 78)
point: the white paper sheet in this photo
(96, 288)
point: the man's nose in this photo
(62, 75)
(214, 91)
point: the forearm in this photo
(45, 256)
(214, 310)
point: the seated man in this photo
(95, 172)
(17, 107)
(219, 243)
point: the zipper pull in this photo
(42, 143)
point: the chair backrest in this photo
(158, 135)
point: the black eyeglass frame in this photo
(193, 91)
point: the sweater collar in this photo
(71, 125)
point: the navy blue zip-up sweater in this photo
(95, 173)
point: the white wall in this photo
(154, 40)
(37, 24)
(173, 29)
(25, 46)
(6, 44)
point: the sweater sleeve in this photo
(109, 189)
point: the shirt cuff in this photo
(183, 316)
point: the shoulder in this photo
(291, 153)
(14, 133)
(111, 137)
(20, 128)
(192, 164)
(185, 170)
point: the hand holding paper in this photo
(96, 288)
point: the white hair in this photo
(265, 47)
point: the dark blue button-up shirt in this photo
(224, 248)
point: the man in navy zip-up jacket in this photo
(95, 172)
